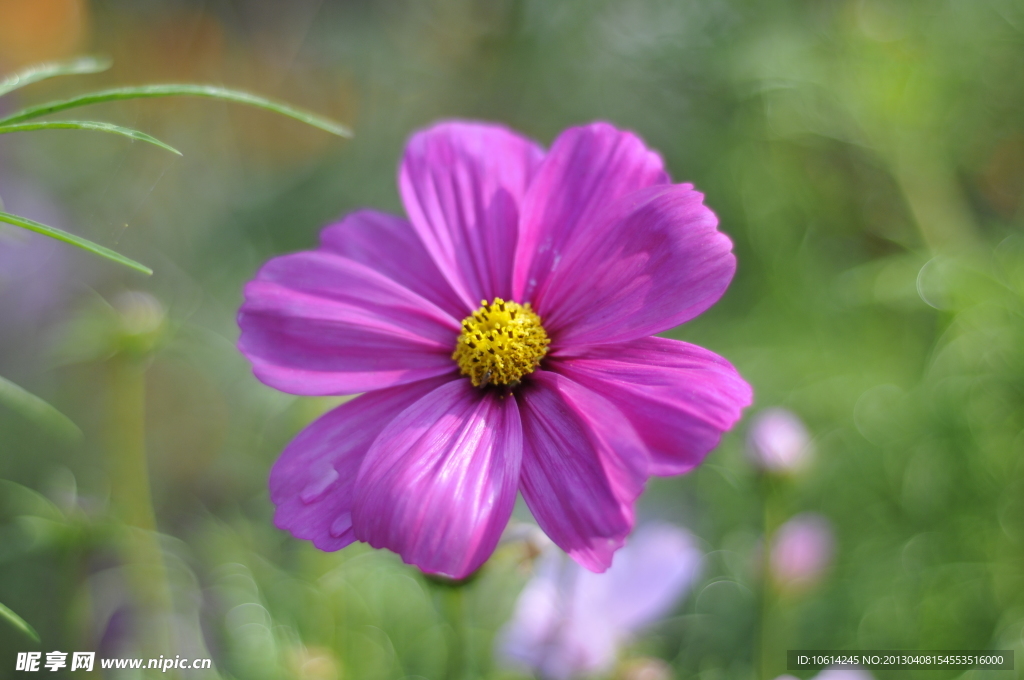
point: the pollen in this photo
(500, 343)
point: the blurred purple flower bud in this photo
(778, 441)
(801, 551)
(570, 622)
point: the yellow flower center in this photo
(500, 343)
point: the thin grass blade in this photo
(78, 241)
(21, 401)
(187, 90)
(18, 622)
(37, 72)
(87, 125)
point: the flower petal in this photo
(438, 485)
(653, 262)
(546, 635)
(390, 245)
(461, 184)
(583, 467)
(318, 323)
(528, 640)
(680, 398)
(657, 566)
(587, 170)
(569, 622)
(313, 482)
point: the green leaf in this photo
(87, 125)
(35, 409)
(210, 91)
(39, 72)
(18, 622)
(82, 243)
(18, 501)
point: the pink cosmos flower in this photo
(802, 550)
(502, 337)
(779, 442)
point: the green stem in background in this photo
(452, 602)
(454, 605)
(934, 196)
(769, 652)
(130, 496)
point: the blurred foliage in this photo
(16, 122)
(866, 157)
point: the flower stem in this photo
(455, 606)
(130, 497)
(768, 651)
(933, 195)
(452, 602)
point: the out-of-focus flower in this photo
(503, 338)
(570, 622)
(33, 285)
(836, 674)
(844, 674)
(38, 275)
(802, 550)
(778, 441)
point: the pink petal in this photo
(587, 170)
(802, 550)
(583, 467)
(438, 485)
(462, 184)
(390, 245)
(680, 398)
(318, 323)
(313, 482)
(778, 441)
(653, 262)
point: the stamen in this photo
(500, 343)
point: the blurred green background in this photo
(866, 157)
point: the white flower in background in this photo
(779, 442)
(570, 622)
(802, 549)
